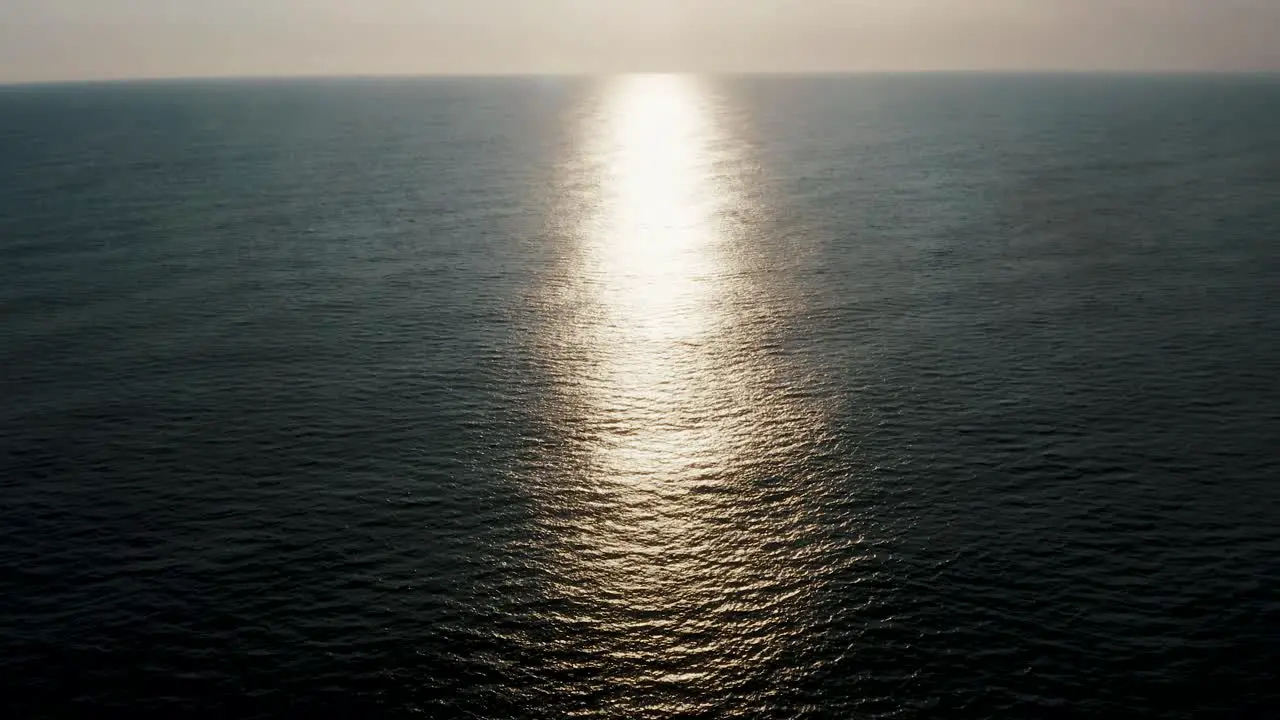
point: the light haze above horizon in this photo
(59, 40)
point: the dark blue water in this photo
(643, 397)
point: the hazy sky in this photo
(73, 39)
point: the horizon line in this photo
(270, 77)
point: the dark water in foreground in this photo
(647, 397)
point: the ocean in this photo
(641, 397)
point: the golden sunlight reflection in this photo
(655, 267)
(679, 531)
(657, 229)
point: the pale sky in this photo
(92, 39)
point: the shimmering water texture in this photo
(643, 397)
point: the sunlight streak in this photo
(676, 417)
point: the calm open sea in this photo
(643, 397)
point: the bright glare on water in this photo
(675, 406)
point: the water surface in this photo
(648, 396)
